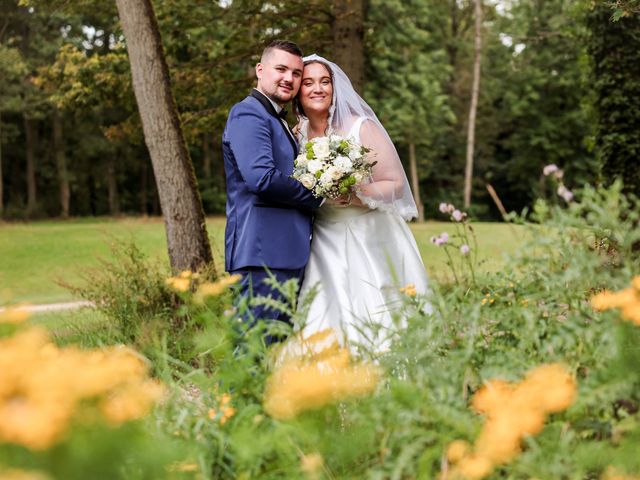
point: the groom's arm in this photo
(250, 140)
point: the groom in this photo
(269, 214)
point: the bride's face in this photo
(316, 91)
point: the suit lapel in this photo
(272, 111)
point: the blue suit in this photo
(269, 214)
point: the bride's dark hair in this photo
(297, 104)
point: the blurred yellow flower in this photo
(42, 386)
(472, 467)
(315, 372)
(311, 465)
(512, 411)
(185, 274)
(15, 474)
(213, 289)
(226, 410)
(409, 290)
(14, 315)
(457, 450)
(627, 300)
(178, 284)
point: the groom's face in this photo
(279, 75)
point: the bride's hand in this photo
(341, 201)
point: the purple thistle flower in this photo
(465, 249)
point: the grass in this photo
(35, 257)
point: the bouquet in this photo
(330, 166)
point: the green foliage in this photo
(130, 289)
(533, 311)
(616, 65)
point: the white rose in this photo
(344, 164)
(314, 165)
(335, 138)
(308, 180)
(302, 160)
(321, 149)
(359, 176)
(354, 153)
(326, 179)
(334, 172)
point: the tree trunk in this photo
(348, 39)
(61, 164)
(475, 90)
(31, 139)
(415, 184)
(112, 186)
(180, 201)
(1, 190)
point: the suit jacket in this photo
(269, 214)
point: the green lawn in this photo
(35, 256)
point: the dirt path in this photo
(53, 307)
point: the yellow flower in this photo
(132, 402)
(185, 274)
(512, 411)
(42, 387)
(15, 474)
(409, 290)
(14, 315)
(457, 450)
(472, 467)
(213, 289)
(627, 300)
(179, 284)
(311, 465)
(227, 413)
(312, 378)
(212, 413)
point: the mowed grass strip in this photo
(36, 256)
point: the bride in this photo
(362, 251)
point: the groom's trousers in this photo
(253, 285)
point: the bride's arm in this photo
(387, 182)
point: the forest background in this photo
(71, 141)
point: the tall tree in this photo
(12, 69)
(615, 48)
(179, 198)
(61, 162)
(31, 145)
(408, 98)
(473, 106)
(348, 39)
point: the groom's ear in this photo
(259, 68)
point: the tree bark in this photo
(61, 164)
(180, 201)
(112, 186)
(415, 183)
(348, 39)
(31, 139)
(475, 90)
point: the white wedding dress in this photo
(360, 258)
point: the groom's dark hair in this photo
(284, 45)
